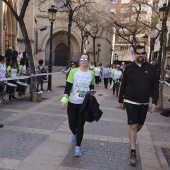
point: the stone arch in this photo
(60, 37)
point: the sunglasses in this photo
(83, 59)
(142, 53)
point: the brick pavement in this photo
(36, 136)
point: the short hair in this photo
(85, 54)
(138, 47)
(40, 61)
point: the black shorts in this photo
(136, 114)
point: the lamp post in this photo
(162, 16)
(86, 42)
(98, 45)
(145, 37)
(116, 58)
(51, 16)
(111, 59)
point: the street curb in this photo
(162, 159)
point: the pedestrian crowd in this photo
(133, 84)
(15, 65)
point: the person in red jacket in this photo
(139, 83)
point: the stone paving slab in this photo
(6, 114)
(110, 104)
(39, 121)
(157, 118)
(18, 145)
(105, 128)
(101, 155)
(155, 132)
(111, 114)
(51, 108)
(18, 105)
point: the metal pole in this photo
(160, 52)
(49, 88)
(98, 56)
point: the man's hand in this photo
(122, 106)
(153, 108)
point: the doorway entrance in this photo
(61, 53)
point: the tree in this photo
(93, 20)
(71, 7)
(134, 21)
(20, 20)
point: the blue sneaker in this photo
(77, 151)
(73, 139)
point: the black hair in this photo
(86, 55)
(138, 47)
(2, 58)
(22, 62)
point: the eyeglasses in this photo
(83, 59)
(142, 53)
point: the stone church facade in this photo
(36, 18)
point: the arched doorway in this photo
(61, 52)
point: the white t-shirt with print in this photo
(2, 70)
(97, 71)
(81, 82)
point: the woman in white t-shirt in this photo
(79, 82)
(97, 73)
(117, 77)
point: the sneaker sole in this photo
(77, 155)
(131, 164)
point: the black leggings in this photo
(97, 79)
(76, 121)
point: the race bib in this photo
(80, 95)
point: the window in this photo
(124, 10)
(125, 1)
(124, 48)
(113, 11)
(124, 20)
(114, 1)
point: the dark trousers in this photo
(106, 82)
(76, 121)
(40, 82)
(110, 80)
(116, 87)
(97, 79)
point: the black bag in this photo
(166, 113)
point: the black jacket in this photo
(90, 108)
(139, 83)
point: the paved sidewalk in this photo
(36, 136)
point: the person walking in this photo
(139, 83)
(79, 82)
(117, 77)
(97, 74)
(106, 75)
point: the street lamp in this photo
(145, 37)
(86, 42)
(51, 16)
(98, 45)
(111, 59)
(162, 12)
(116, 58)
(162, 17)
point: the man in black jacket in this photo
(139, 83)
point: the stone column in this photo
(1, 28)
